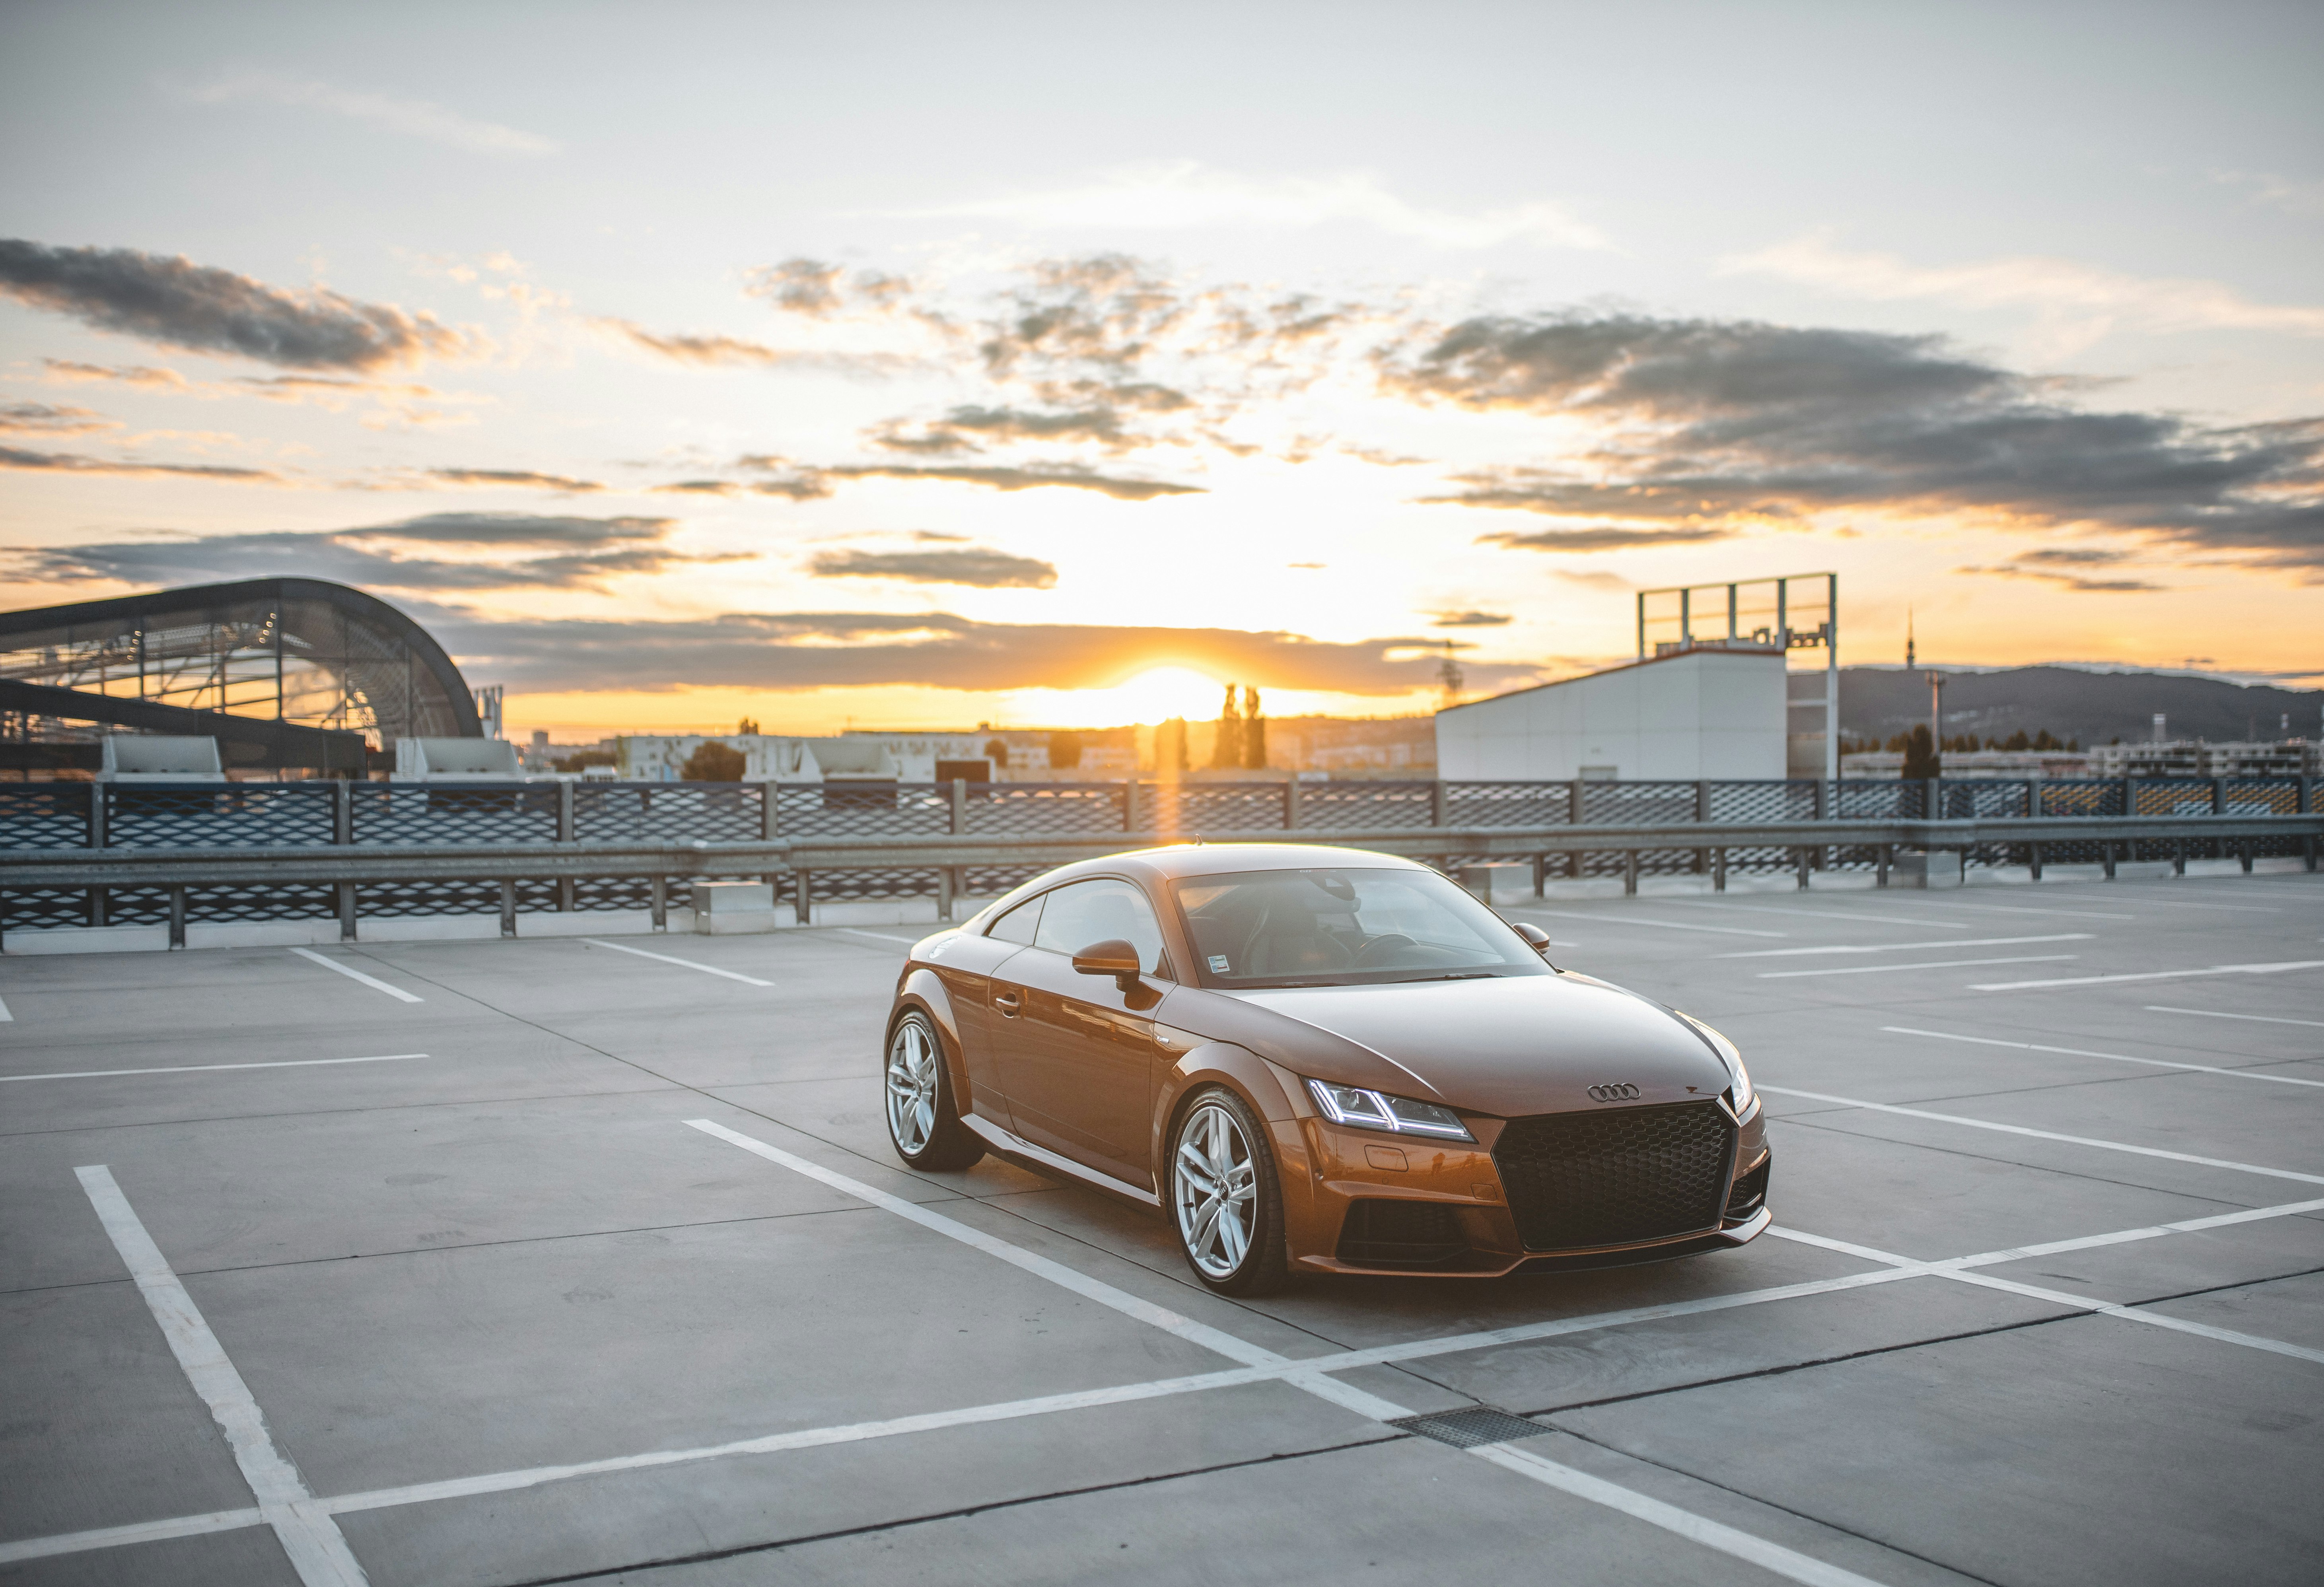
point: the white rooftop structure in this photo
(1711, 712)
(466, 760)
(156, 757)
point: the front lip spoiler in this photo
(1750, 1229)
(1724, 1238)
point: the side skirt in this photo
(1041, 1160)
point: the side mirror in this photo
(1112, 956)
(1536, 938)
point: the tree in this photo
(748, 728)
(1226, 745)
(1921, 758)
(1170, 748)
(997, 753)
(1065, 751)
(713, 762)
(1254, 732)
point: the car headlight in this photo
(1734, 1060)
(1376, 1110)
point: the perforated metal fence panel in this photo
(220, 815)
(432, 814)
(45, 815)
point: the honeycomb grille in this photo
(1579, 1180)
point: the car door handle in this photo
(1007, 1003)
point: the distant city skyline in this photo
(917, 365)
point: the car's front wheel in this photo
(1223, 1193)
(923, 1121)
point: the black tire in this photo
(1229, 1258)
(923, 1121)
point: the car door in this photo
(986, 1020)
(1079, 1060)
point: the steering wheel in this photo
(1385, 942)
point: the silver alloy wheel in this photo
(1214, 1184)
(911, 1087)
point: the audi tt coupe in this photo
(1321, 1060)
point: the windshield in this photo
(1344, 927)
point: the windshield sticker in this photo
(1219, 964)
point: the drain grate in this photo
(1466, 1430)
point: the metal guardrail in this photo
(1810, 845)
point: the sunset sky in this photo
(1050, 365)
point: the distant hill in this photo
(2094, 708)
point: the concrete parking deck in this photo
(528, 1261)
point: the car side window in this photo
(1086, 912)
(1020, 923)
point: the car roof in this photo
(1209, 859)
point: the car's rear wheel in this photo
(1225, 1195)
(923, 1122)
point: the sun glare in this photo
(1154, 695)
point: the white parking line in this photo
(1629, 920)
(356, 975)
(1769, 1556)
(707, 970)
(2085, 1303)
(197, 1069)
(2159, 1063)
(2086, 915)
(308, 1536)
(1934, 964)
(1841, 916)
(1949, 1118)
(5, 1017)
(1908, 947)
(876, 936)
(1118, 1394)
(2217, 969)
(2213, 1014)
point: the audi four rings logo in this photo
(1624, 1093)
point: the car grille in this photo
(1615, 1176)
(1381, 1233)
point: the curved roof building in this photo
(285, 673)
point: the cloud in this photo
(1032, 477)
(2286, 193)
(2069, 565)
(2057, 286)
(962, 429)
(522, 478)
(1469, 620)
(714, 351)
(67, 463)
(52, 419)
(1602, 537)
(982, 569)
(1597, 578)
(1708, 427)
(580, 552)
(65, 369)
(801, 286)
(1186, 195)
(178, 303)
(417, 118)
(807, 650)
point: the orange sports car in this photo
(1321, 1060)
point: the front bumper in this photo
(1337, 1182)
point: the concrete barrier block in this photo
(428, 928)
(596, 923)
(1936, 868)
(260, 933)
(85, 939)
(727, 909)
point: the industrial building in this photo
(1714, 709)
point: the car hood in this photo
(1508, 1045)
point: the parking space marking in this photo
(5, 1017)
(356, 975)
(707, 970)
(2159, 1063)
(1934, 964)
(1309, 1376)
(2217, 969)
(1951, 1118)
(2213, 1014)
(1612, 919)
(1120, 1394)
(197, 1069)
(876, 936)
(218, 1520)
(2086, 915)
(2084, 1303)
(1842, 916)
(1909, 946)
(308, 1535)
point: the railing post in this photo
(2106, 859)
(1800, 861)
(1630, 873)
(1573, 806)
(1541, 875)
(1129, 802)
(944, 874)
(660, 887)
(802, 896)
(97, 835)
(1719, 869)
(1436, 803)
(1701, 813)
(768, 822)
(1291, 803)
(343, 834)
(178, 914)
(956, 814)
(2129, 797)
(1887, 852)
(2033, 859)
(508, 902)
(564, 884)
